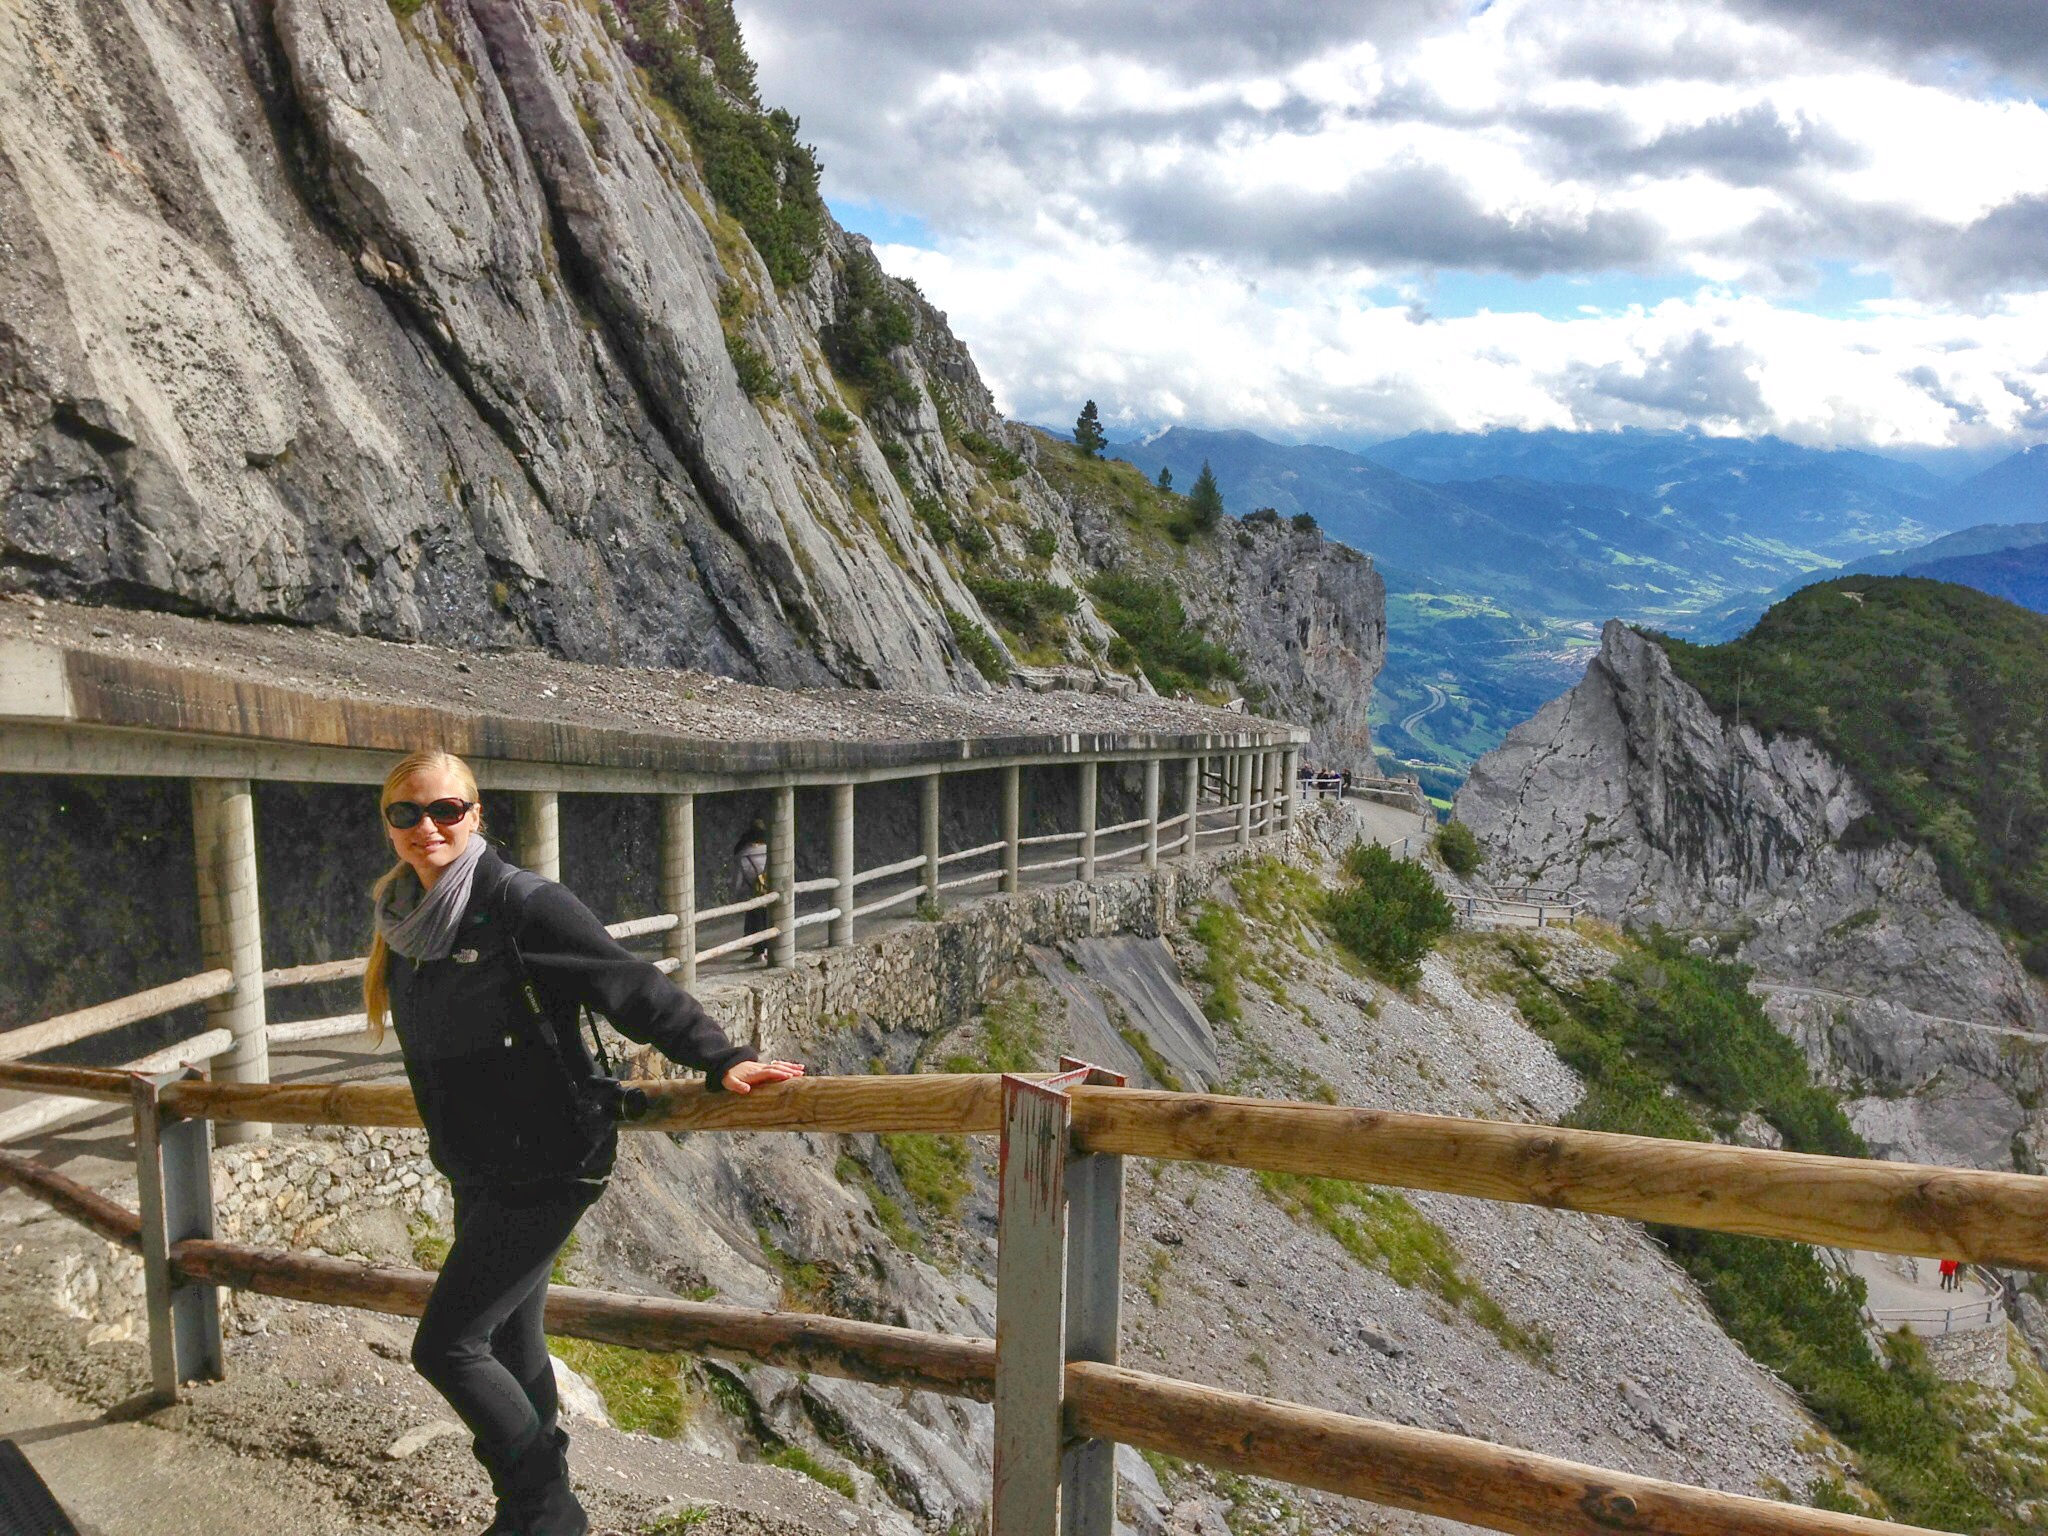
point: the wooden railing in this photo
(1062, 1403)
(1243, 818)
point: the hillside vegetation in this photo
(1671, 1044)
(1936, 698)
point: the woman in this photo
(493, 965)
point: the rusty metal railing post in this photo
(1095, 1241)
(1031, 1272)
(174, 1196)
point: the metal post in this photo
(679, 883)
(1031, 1241)
(839, 932)
(231, 931)
(540, 833)
(1095, 1240)
(1151, 855)
(1012, 809)
(1088, 802)
(782, 876)
(1243, 797)
(1192, 796)
(928, 823)
(174, 1195)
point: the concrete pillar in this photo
(1290, 786)
(928, 832)
(231, 933)
(1089, 796)
(782, 876)
(1013, 795)
(540, 833)
(1261, 810)
(1192, 791)
(1241, 795)
(679, 883)
(840, 932)
(1273, 792)
(1151, 813)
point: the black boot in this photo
(505, 1521)
(542, 1499)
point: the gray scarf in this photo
(424, 929)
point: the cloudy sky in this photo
(1337, 222)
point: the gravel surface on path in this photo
(533, 685)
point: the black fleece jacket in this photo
(499, 1099)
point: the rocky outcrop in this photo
(1632, 790)
(423, 321)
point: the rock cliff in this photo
(445, 321)
(1632, 790)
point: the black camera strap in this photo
(512, 907)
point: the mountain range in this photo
(1504, 551)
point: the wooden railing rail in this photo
(1048, 1123)
(1966, 1213)
(70, 1028)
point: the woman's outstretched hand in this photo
(746, 1076)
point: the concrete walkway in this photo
(1906, 1293)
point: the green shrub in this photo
(938, 522)
(1041, 543)
(757, 374)
(835, 421)
(1458, 848)
(973, 539)
(1003, 463)
(869, 325)
(1264, 517)
(975, 644)
(1303, 522)
(1148, 617)
(1031, 607)
(405, 10)
(756, 167)
(1389, 914)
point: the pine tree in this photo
(1205, 501)
(1088, 432)
(1165, 478)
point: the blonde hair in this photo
(376, 988)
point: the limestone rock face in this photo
(1630, 789)
(426, 327)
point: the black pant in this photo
(756, 921)
(479, 1342)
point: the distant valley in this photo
(1504, 552)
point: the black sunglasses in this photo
(407, 813)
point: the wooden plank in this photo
(1450, 1476)
(304, 1031)
(68, 1028)
(799, 1341)
(88, 1207)
(884, 903)
(95, 1087)
(1031, 1262)
(314, 974)
(1991, 1218)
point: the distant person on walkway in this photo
(1951, 1275)
(750, 879)
(493, 967)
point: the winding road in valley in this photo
(1437, 700)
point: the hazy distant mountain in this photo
(1953, 550)
(2014, 490)
(1583, 550)
(2017, 575)
(1834, 504)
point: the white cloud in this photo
(1214, 212)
